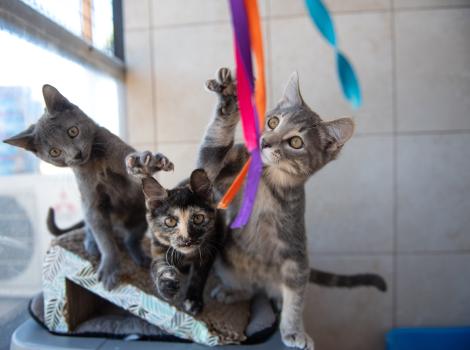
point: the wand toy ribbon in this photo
(252, 96)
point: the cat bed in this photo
(74, 302)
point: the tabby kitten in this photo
(186, 231)
(112, 201)
(270, 253)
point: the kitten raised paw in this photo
(225, 87)
(145, 164)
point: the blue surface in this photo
(429, 339)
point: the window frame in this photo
(24, 19)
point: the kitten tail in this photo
(328, 279)
(55, 230)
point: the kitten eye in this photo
(296, 142)
(198, 219)
(273, 122)
(73, 131)
(170, 221)
(54, 152)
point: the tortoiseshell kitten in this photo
(186, 232)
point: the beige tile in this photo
(350, 318)
(433, 193)
(350, 201)
(139, 101)
(171, 12)
(144, 147)
(433, 290)
(183, 156)
(136, 14)
(433, 69)
(365, 38)
(181, 71)
(184, 107)
(403, 4)
(297, 7)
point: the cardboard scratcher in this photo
(72, 294)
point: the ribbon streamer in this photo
(252, 97)
(347, 77)
(251, 100)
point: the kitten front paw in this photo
(193, 306)
(297, 339)
(225, 87)
(145, 164)
(108, 274)
(168, 283)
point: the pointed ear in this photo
(55, 101)
(291, 96)
(24, 139)
(154, 192)
(200, 184)
(340, 131)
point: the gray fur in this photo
(269, 254)
(112, 201)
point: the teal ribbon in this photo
(347, 77)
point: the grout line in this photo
(136, 29)
(153, 82)
(394, 254)
(433, 132)
(415, 132)
(334, 13)
(191, 24)
(299, 15)
(349, 253)
(268, 57)
(394, 169)
(433, 7)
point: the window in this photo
(47, 41)
(90, 20)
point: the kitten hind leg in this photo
(145, 164)
(226, 295)
(89, 243)
(133, 245)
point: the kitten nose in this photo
(187, 242)
(265, 144)
(78, 155)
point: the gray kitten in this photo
(270, 253)
(112, 201)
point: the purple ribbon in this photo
(245, 69)
(251, 188)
